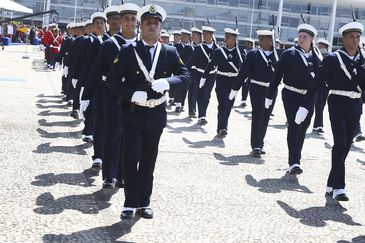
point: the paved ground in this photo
(206, 189)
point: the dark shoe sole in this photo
(296, 171)
(341, 197)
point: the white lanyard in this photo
(230, 63)
(100, 38)
(205, 53)
(149, 76)
(305, 60)
(115, 42)
(265, 59)
(344, 69)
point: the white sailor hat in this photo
(231, 31)
(112, 10)
(308, 29)
(80, 24)
(296, 39)
(351, 27)
(88, 22)
(196, 30)
(208, 29)
(184, 31)
(263, 32)
(98, 15)
(176, 32)
(250, 40)
(151, 10)
(130, 8)
(323, 41)
(165, 34)
(52, 25)
(68, 26)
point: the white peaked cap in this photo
(308, 29)
(351, 27)
(264, 32)
(151, 10)
(129, 8)
(231, 31)
(98, 15)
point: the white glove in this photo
(202, 82)
(160, 85)
(65, 71)
(74, 82)
(301, 115)
(83, 106)
(57, 66)
(268, 103)
(139, 96)
(233, 94)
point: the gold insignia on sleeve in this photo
(116, 60)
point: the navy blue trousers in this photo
(99, 127)
(260, 115)
(204, 95)
(223, 88)
(140, 148)
(113, 135)
(319, 107)
(296, 133)
(344, 116)
(244, 90)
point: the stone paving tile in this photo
(205, 190)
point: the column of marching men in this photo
(117, 80)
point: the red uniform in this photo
(55, 44)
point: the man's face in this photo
(88, 29)
(265, 41)
(351, 40)
(151, 28)
(165, 40)
(185, 38)
(128, 22)
(196, 37)
(177, 38)
(230, 39)
(114, 21)
(304, 39)
(207, 36)
(99, 26)
(249, 45)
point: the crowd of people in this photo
(119, 66)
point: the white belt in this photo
(299, 91)
(103, 78)
(227, 74)
(152, 102)
(202, 70)
(350, 94)
(265, 84)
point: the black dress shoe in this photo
(263, 151)
(75, 114)
(202, 122)
(192, 115)
(360, 138)
(178, 109)
(109, 183)
(146, 213)
(296, 171)
(329, 194)
(341, 197)
(256, 153)
(120, 183)
(127, 214)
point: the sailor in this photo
(297, 68)
(185, 54)
(343, 72)
(226, 60)
(200, 92)
(259, 67)
(140, 75)
(250, 44)
(322, 94)
(165, 38)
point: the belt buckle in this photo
(150, 104)
(352, 95)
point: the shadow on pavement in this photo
(276, 185)
(51, 113)
(83, 179)
(73, 123)
(315, 135)
(361, 161)
(64, 106)
(180, 120)
(84, 203)
(44, 101)
(317, 216)
(354, 148)
(99, 234)
(46, 148)
(45, 134)
(49, 96)
(39, 65)
(278, 126)
(237, 159)
(215, 142)
(358, 239)
(194, 128)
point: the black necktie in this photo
(149, 58)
